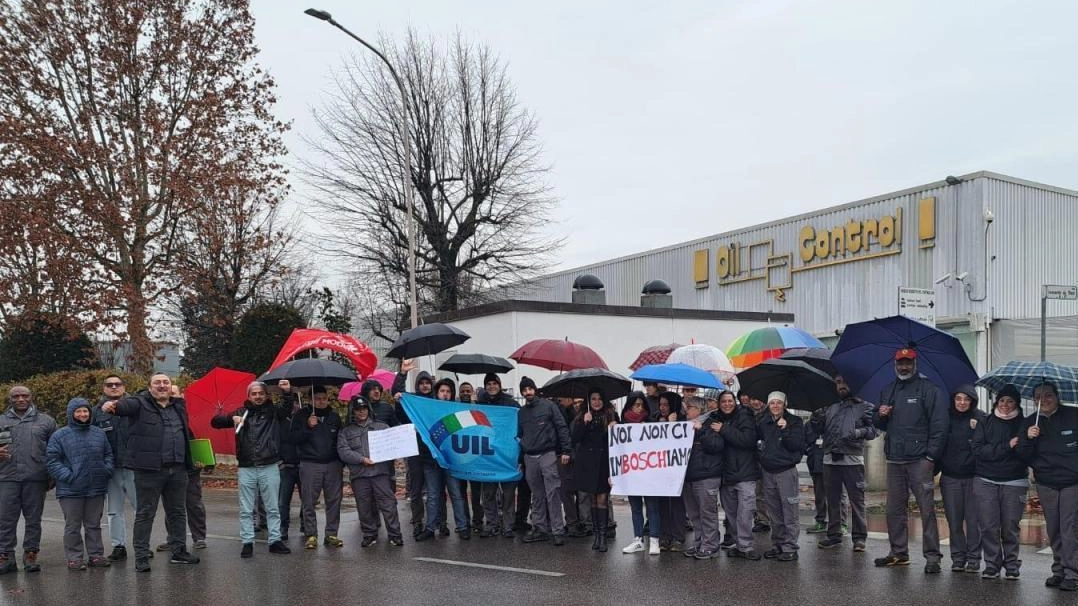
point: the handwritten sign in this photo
(394, 443)
(649, 459)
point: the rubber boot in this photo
(596, 535)
(604, 519)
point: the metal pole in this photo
(408, 193)
(1044, 324)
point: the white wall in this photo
(617, 339)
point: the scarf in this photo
(636, 417)
(1014, 413)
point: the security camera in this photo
(943, 278)
(962, 276)
(989, 216)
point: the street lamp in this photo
(408, 194)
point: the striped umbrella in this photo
(1027, 376)
(762, 344)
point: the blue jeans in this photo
(264, 480)
(636, 504)
(121, 488)
(437, 481)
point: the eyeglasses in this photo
(114, 384)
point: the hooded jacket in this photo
(1053, 455)
(780, 448)
(116, 429)
(739, 462)
(844, 426)
(146, 430)
(675, 406)
(502, 399)
(317, 444)
(541, 428)
(705, 460)
(29, 439)
(353, 446)
(259, 440)
(958, 459)
(79, 457)
(380, 409)
(917, 426)
(992, 452)
(398, 387)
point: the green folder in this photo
(202, 452)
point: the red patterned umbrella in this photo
(654, 355)
(556, 354)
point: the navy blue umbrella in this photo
(865, 355)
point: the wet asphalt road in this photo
(393, 575)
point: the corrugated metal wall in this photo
(1030, 238)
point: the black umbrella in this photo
(310, 371)
(806, 388)
(816, 357)
(576, 383)
(476, 364)
(426, 340)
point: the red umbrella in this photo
(220, 386)
(559, 355)
(654, 355)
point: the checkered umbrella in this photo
(653, 355)
(1026, 376)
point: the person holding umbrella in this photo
(424, 384)
(956, 481)
(544, 439)
(438, 481)
(740, 473)
(844, 426)
(1001, 486)
(314, 432)
(912, 412)
(1048, 440)
(782, 444)
(591, 473)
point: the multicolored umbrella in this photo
(656, 354)
(762, 344)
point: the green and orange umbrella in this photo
(761, 344)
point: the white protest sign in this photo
(649, 459)
(394, 443)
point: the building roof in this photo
(511, 305)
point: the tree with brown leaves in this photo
(128, 118)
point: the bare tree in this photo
(476, 169)
(128, 116)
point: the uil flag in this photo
(470, 441)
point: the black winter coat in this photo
(780, 449)
(739, 462)
(917, 426)
(813, 451)
(259, 441)
(995, 459)
(146, 430)
(705, 461)
(1054, 454)
(591, 468)
(958, 460)
(318, 444)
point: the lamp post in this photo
(408, 193)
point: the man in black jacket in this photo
(160, 455)
(257, 426)
(424, 384)
(492, 394)
(844, 426)
(914, 414)
(782, 444)
(544, 441)
(1049, 441)
(289, 467)
(122, 482)
(314, 431)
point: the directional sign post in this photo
(917, 304)
(1059, 292)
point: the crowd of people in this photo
(741, 477)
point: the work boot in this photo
(604, 519)
(7, 564)
(248, 550)
(29, 562)
(119, 553)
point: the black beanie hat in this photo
(490, 376)
(1009, 390)
(527, 382)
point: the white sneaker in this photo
(635, 547)
(653, 547)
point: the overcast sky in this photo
(668, 121)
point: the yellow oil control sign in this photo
(817, 246)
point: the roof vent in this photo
(656, 287)
(587, 282)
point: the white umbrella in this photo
(709, 358)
